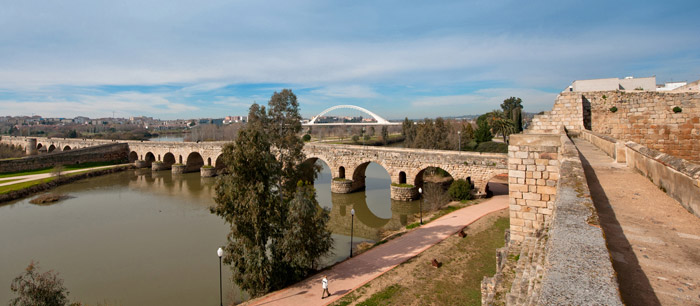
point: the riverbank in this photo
(19, 190)
(358, 270)
(464, 263)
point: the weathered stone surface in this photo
(101, 153)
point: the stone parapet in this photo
(677, 177)
(533, 172)
(577, 267)
(111, 152)
(404, 193)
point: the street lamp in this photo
(220, 252)
(420, 204)
(459, 141)
(352, 228)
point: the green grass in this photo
(413, 225)
(65, 168)
(402, 185)
(381, 297)
(18, 186)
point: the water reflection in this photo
(145, 238)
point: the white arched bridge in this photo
(379, 120)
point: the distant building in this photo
(235, 119)
(628, 83)
(692, 86)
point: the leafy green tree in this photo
(408, 130)
(504, 127)
(510, 104)
(262, 202)
(483, 132)
(38, 289)
(461, 190)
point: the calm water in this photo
(137, 238)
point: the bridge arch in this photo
(51, 148)
(359, 171)
(194, 162)
(149, 158)
(168, 159)
(379, 119)
(133, 156)
(66, 148)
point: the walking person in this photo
(324, 284)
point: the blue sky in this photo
(397, 58)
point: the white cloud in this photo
(484, 100)
(350, 91)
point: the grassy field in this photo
(465, 262)
(22, 185)
(65, 168)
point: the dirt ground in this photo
(654, 242)
(464, 261)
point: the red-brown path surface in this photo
(355, 272)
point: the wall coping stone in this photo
(681, 165)
(578, 266)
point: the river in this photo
(142, 238)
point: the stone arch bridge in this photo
(346, 162)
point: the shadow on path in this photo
(635, 287)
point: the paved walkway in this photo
(654, 242)
(25, 178)
(355, 272)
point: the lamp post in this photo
(352, 228)
(220, 252)
(420, 204)
(459, 141)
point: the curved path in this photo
(355, 272)
(31, 177)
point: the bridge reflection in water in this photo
(375, 212)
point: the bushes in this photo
(306, 138)
(461, 190)
(492, 147)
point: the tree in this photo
(461, 190)
(504, 127)
(57, 170)
(385, 134)
(483, 132)
(275, 239)
(510, 104)
(38, 289)
(517, 118)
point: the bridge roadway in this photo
(346, 162)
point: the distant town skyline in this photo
(398, 59)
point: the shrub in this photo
(677, 109)
(613, 109)
(402, 185)
(355, 138)
(461, 190)
(34, 288)
(306, 138)
(492, 147)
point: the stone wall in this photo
(568, 111)
(556, 254)
(101, 153)
(680, 179)
(533, 172)
(647, 118)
